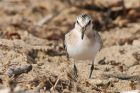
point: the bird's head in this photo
(84, 23)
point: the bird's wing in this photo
(100, 39)
(65, 46)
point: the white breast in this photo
(83, 50)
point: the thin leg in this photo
(74, 78)
(75, 71)
(91, 69)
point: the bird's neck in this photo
(90, 33)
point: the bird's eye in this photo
(88, 23)
(77, 22)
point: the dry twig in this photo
(45, 19)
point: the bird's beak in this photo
(83, 32)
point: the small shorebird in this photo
(83, 42)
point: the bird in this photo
(83, 41)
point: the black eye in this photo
(77, 22)
(88, 23)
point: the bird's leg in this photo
(74, 78)
(74, 71)
(91, 69)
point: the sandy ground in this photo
(24, 42)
